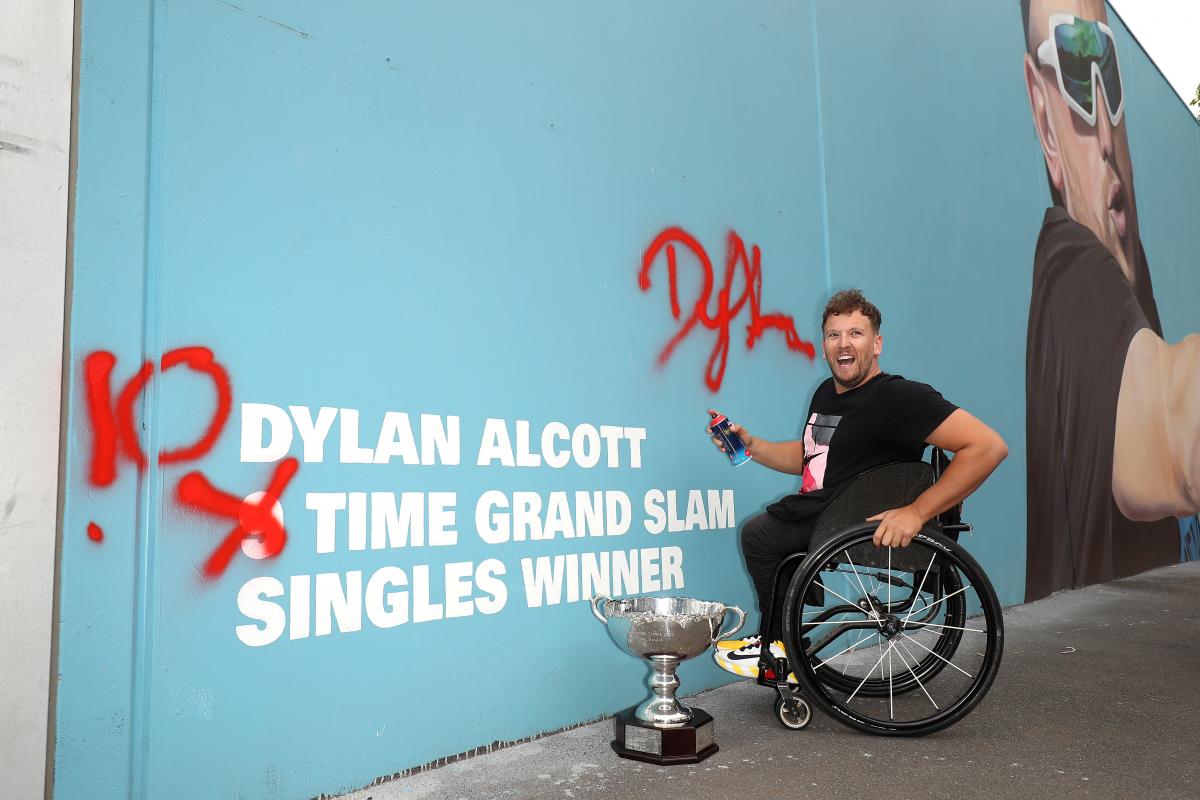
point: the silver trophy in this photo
(664, 631)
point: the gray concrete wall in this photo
(35, 133)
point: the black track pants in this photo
(766, 541)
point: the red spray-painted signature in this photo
(727, 308)
(114, 433)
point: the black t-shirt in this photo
(1083, 314)
(884, 420)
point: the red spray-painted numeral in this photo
(726, 311)
(254, 518)
(116, 426)
(115, 434)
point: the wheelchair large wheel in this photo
(899, 642)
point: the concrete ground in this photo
(1098, 697)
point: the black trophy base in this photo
(688, 744)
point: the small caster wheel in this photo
(797, 717)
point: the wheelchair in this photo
(893, 641)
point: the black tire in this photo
(940, 623)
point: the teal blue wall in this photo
(442, 209)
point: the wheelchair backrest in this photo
(951, 516)
(867, 494)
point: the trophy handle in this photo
(741, 621)
(595, 601)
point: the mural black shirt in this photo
(1083, 314)
(884, 420)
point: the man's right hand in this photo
(747, 438)
(785, 457)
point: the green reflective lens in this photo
(1080, 45)
(1110, 74)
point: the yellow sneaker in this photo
(740, 656)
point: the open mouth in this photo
(1116, 207)
(844, 361)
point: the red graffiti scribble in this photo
(112, 428)
(200, 359)
(254, 518)
(125, 422)
(97, 371)
(726, 312)
(115, 434)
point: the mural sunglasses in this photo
(1083, 54)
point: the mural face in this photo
(1078, 101)
(1104, 473)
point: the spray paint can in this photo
(722, 429)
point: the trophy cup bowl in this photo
(664, 631)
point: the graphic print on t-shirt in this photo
(818, 433)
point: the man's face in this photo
(1089, 164)
(851, 348)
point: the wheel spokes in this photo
(951, 663)
(924, 577)
(840, 652)
(858, 578)
(919, 625)
(871, 671)
(939, 601)
(835, 594)
(918, 680)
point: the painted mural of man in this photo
(1112, 426)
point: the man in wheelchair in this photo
(860, 419)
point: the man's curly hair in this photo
(848, 302)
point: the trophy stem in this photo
(663, 709)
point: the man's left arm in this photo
(977, 449)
